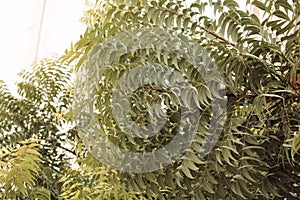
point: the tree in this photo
(32, 137)
(256, 156)
(257, 153)
(40, 152)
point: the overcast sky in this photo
(20, 22)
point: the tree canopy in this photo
(256, 156)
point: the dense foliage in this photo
(39, 115)
(256, 156)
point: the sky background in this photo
(20, 22)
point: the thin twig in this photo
(202, 27)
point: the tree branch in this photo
(202, 28)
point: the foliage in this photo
(18, 168)
(39, 145)
(257, 155)
(39, 113)
(93, 181)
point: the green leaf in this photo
(259, 4)
(187, 172)
(285, 4)
(280, 14)
(296, 143)
(207, 186)
(210, 178)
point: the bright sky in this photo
(20, 24)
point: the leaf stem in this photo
(201, 27)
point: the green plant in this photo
(41, 112)
(91, 180)
(41, 156)
(18, 170)
(256, 156)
